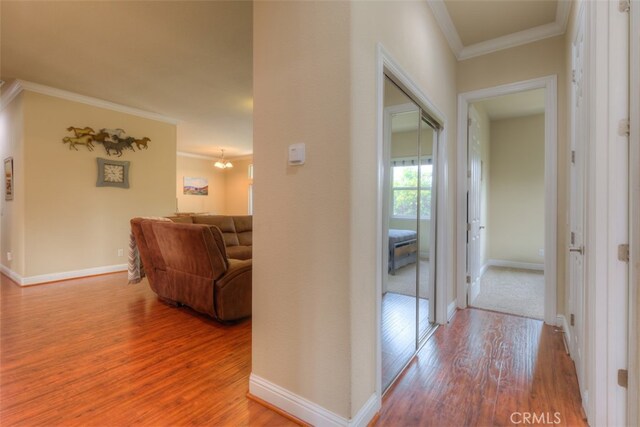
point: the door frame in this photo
(634, 212)
(387, 64)
(549, 83)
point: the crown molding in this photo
(196, 156)
(203, 157)
(446, 25)
(552, 29)
(7, 95)
(19, 85)
(511, 40)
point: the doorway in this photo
(549, 249)
(411, 138)
(505, 248)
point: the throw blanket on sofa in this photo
(135, 269)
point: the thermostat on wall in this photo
(296, 154)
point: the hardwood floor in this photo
(487, 369)
(399, 332)
(97, 351)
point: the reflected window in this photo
(404, 188)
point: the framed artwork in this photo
(113, 173)
(8, 178)
(195, 186)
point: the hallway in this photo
(487, 369)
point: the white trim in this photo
(306, 410)
(451, 310)
(483, 269)
(64, 275)
(9, 94)
(18, 86)
(515, 264)
(530, 35)
(386, 62)
(445, 23)
(511, 40)
(549, 83)
(562, 323)
(11, 274)
(196, 156)
(633, 417)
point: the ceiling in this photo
(192, 60)
(514, 105)
(187, 60)
(478, 27)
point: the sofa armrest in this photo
(232, 292)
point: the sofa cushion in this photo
(224, 223)
(244, 229)
(239, 252)
(182, 219)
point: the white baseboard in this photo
(562, 322)
(515, 264)
(306, 410)
(65, 275)
(483, 269)
(451, 310)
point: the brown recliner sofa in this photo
(188, 264)
(236, 229)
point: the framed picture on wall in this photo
(195, 186)
(8, 178)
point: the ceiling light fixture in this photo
(222, 163)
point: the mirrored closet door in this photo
(408, 292)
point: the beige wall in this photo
(533, 60)
(69, 223)
(228, 188)
(12, 230)
(194, 167)
(516, 201)
(314, 324)
(301, 334)
(237, 187)
(410, 34)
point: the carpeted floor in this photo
(404, 281)
(513, 291)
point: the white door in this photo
(473, 206)
(577, 208)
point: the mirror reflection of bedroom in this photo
(409, 210)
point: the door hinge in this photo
(623, 253)
(624, 127)
(468, 174)
(573, 76)
(468, 227)
(624, 5)
(469, 122)
(468, 279)
(573, 156)
(573, 238)
(623, 378)
(572, 319)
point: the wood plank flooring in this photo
(97, 351)
(487, 369)
(399, 332)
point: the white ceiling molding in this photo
(9, 94)
(446, 25)
(530, 35)
(18, 86)
(203, 157)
